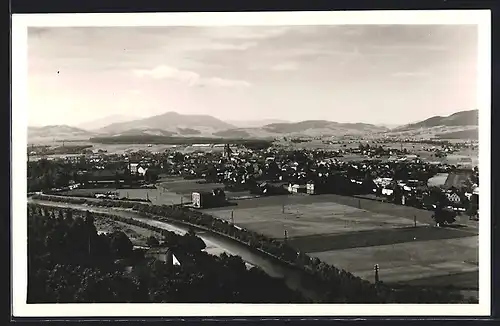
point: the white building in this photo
(141, 171)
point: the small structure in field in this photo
(202, 199)
(297, 188)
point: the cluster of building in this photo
(387, 173)
(402, 178)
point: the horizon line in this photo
(249, 120)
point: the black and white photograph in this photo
(283, 163)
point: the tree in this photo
(69, 217)
(89, 218)
(443, 215)
(152, 241)
(170, 239)
(473, 208)
(121, 246)
(397, 194)
(192, 243)
(150, 176)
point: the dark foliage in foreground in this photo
(68, 262)
(337, 285)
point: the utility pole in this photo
(286, 235)
(232, 217)
(376, 269)
(415, 220)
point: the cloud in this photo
(196, 45)
(189, 77)
(410, 74)
(215, 81)
(409, 47)
(229, 47)
(247, 33)
(285, 66)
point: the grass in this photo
(310, 219)
(368, 205)
(137, 235)
(188, 186)
(404, 262)
(334, 229)
(87, 192)
(463, 280)
(380, 237)
(157, 197)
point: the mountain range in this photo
(106, 121)
(254, 123)
(57, 132)
(457, 125)
(462, 118)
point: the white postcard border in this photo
(20, 23)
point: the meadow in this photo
(355, 234)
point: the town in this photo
(385, 174)
(317, 201)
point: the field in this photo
(157, 196)
(136, 234)
(413, 148)
(183, 187)
(355, 234)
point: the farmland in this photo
(183, 187)
(334, 229)
(157, 196)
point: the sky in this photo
(380, 74)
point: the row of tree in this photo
(44, 174)
(68, 261)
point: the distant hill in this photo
(462, 118)
(232, 133)
(57, 132)
(144, 132)
(103, 122)
(316, 127)
(461, 125)
(170, 121)
(472, 134)
(188, 131)
(255, 123)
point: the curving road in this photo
(293, 278)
